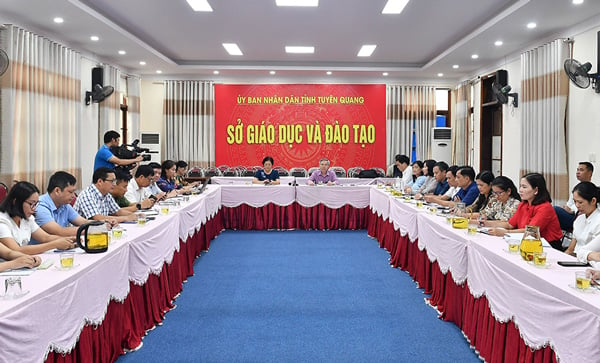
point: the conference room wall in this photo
(151, 110)
(583, 129)
(88, 129)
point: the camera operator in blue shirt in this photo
(105, 158)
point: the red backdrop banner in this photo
(297, 124)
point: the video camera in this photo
(131, 152)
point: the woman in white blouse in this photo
(17, 223)
(586, 228)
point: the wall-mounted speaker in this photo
(502, 77)
(97, 76)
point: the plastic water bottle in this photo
(397, 184)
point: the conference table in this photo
(508, 309)
(108, 301)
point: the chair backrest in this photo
(339, 171)
(222, 168)
(212, 171)
(282, 171)
(312, 170)
(229, 172)
(248, 172)
(3, 191)
(195, 172)
(380, 172)
(298, 172)
(354, 171)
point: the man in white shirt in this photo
(403, 163)
(446, 199)
(567, 213)
(137, 192)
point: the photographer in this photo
(106, 158)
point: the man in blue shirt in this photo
(106, 159)
(465, 177)
(54, 213)
(439, 173)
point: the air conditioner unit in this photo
(151, 140)
(441, 144)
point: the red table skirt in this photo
(126, 323)
(294, 216)
(493, 340)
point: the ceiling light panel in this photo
(366, 50)
(232, 49)
(299, 49)
(305, 3)
(200, 5)
(394, 6)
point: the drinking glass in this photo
(12, 287)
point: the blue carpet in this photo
(301, 296)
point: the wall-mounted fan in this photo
(580, 76)
(99, 94)
(503, 93)
(3, 62)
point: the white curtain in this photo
(460, 123)
(110, 109)
(189, 112)
(545, 91)
(40, 108)
(409, 108)
(134, 86)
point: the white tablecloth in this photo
(333, 196)
(198, 210)
(539, 301)
(380, 202)
(226, 180)
(257, 195)
(60, 303)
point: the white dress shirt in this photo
(407, 176)
(587, 233)
(135, 193)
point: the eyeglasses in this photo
(113, 181)
(499, 193)
(32, 204)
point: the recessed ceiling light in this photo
(94, 38)
(297, 3)
(394, 6)
(577, 2)
(531, 25)
(200, 5)
(232, 49)
(59, 20)
(366, 50)
(299, 49)
(440, 74)
(328, 73)
(455, 66)
(158, 71)
(122, 52)
(272, 72)
(498, 43)
(215, 72)
(474, 56)
(384, 73)
(142, 63)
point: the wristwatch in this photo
(138, 206)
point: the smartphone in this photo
(573, 263)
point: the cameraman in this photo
(105, 158)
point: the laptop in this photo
(200, 188)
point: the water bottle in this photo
(397, 185)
